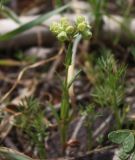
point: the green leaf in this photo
(31, 24)
(11, 154)
(129, 143)
(118, 136)
(133, 156)
(122, 155)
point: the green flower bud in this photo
(64, 22)
(55, 27)
(82, 26)
(80, 19)
(69, 29)
(62, 36)
(86, 34)
(88, 26)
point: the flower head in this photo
(65, 31)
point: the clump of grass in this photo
(109, 88)
(90, 117)
(31, 121)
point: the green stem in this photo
(63, 133)
(65, 116)
(116, 111)
(40, 147)
(65, 103)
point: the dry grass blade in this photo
(12, 154)
(55, 64)
(40, 63)
(73, 138)
(6, 125)
(10, 62)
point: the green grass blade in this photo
(7, 12)
(55, 114)
(58, 3)
(31, 24)
(11, 154)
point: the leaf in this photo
(122, 155)
(31, 24)
(118, 136)
(129, 143)
(11, 154)
(133, 156)
(73, 79)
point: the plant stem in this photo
(116, 110)
(64, 115)
(40, 146)
(63, 133)
(68, 92)
(41, 149)
(70, 74)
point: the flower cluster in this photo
(65, 31)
